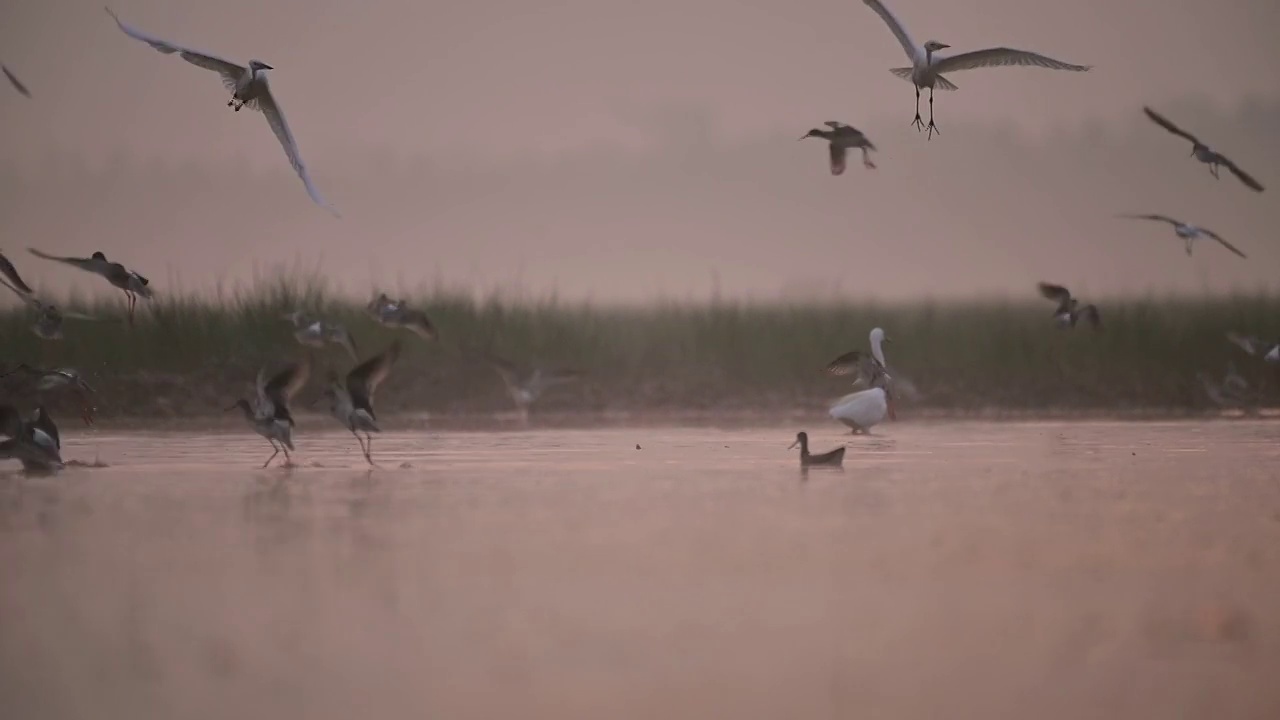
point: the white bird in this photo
(13, 80)
(863, 409)
(315, 333)
(841, 138)
(526, 385)
(351, 402)
(1204, 153)
(269, 415)
(1069, 309)
(1269, 351)
(1189, 233)
(249, 87)
(927, 69)
(1233, 391)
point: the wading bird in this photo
(351, 402)
(1268, 351)
(863, 409)
(831, 458)
(927, 68)
(35, 444)
(48, 325)
(526, 385)
(1069, 309)
(840, 139)
(1204, 153)
(15, 82)
(1189, 233)
(249, 88)
(315, 333)
(133, 284)
(58, 379)
(269, 415)
(397, 314)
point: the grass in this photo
(193, 355)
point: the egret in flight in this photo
(927, 68)
(1189, 233)
(1204, 153)
(249, 88)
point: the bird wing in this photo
(11, 272)
(899, 31)
(1057, 293)
(1243, 176)
(838, 154)
(505, 368)
(1225, 244)
(834, 124)
(341, 336)
(364, 379)
(1001, 57)
(1163, 122)
(418, 322)
(1161, 218)
(25, 297)
(230, 72)
(286, 383)
(1090, 313)
(275, 117)
(86, 264)
(68, 315)
(17, 84)
(1249, 343)
(849, 363)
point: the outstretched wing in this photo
(505, 368)
(1090, 313)
(275, 117)
(1163, 122)
(10, 272)
(230, 72)
(850, 363)
(286, 383)
(85, 264)
(899, 31)
(838, 154)
(1249, 343)
(1057, 293)
(1243, 176)
(17, 84)
(1001, 57)
(1161, 218)
(363, 381)
(1225, 244)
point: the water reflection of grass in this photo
(191, 354)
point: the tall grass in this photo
(192, 355)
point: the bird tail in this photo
(945, 84)
(904, 73)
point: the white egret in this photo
(249, 88)
(841, 138)
(927, 68)
(1186, 231)
(1204, 153)
(1069, 308)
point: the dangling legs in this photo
(918, 122)
(932, 127)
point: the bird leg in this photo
(1213, 170)
(363, 451)
(131, 299)
(932, 127)
(918, 123)
(368, 448)
(273, 455)
(288, 461)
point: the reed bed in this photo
(194, 354)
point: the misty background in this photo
(623, 151)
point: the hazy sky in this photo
(498, 83)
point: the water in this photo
(958, 570)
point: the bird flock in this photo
(35, 440)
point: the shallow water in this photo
(958, 570)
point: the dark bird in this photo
(15, 82)
(58, 379)
(133, 284)
(1069, 309)
(833, 458)
(1188, 232)
(269, 414)
(351, 402)
(840, 139)
(1204, 153)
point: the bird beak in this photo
(797, 442)
(803, 137)
(267, 67)
(943, 46)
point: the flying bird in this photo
(398, 314)
(315, 333)
(1069, 309)
(48, 325)
(1253, 345)
(58, 379)
(13, 80)
(269, 414)
(1204, 153)
(927, 68)
(351, 401)
(133, 284)
(841, 138)
(249, 88)
(1189, 233)
(526, 385)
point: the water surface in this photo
(959, 569)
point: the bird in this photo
(1233, 391)
(831, 458)
(315, 333)
(1253, 345)
(351, 401)
(398, 315)
(269, 414)
(863, 409)
(526, 385)
(857, 363)
(1069, 309)
(133, 284)
(1189, 233)
(840, 138)
(48, 325)
(33, 443)
(1204, 153)
(56, 379)
(249, 88)
(927, 69)
(15, 82)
